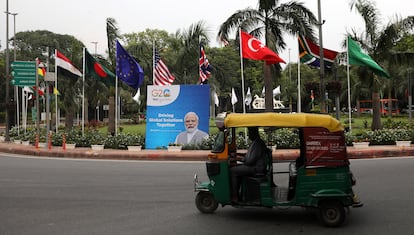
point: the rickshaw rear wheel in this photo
(332, 213)
(206, 202)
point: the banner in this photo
(177, 114)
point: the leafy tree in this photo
(34, 44)
(271, 20)
(378, 41)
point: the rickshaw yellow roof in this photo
(283, 120)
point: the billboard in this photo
(176, 114)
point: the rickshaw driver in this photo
(254, 162)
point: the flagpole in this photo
(349, 85)
(56, 96)
(242, 76)
(83, 91)
(153, 61)
(299, 109)
(23, 113)
(241, 68)
(116, 105)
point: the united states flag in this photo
(161, 74)
(204, 65)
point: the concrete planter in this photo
(174, 148)
(42, 145)
(272, 147)
(70, 146)
(134, 148)
(403, 143)
(360, 145)
(97, 147)
(26, 142)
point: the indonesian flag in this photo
(253, 48)
(66, 64)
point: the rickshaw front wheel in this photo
(332, 213)
(205, 202)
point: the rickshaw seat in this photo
(263, 176)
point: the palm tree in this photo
(272, 19)
(378, 42)
(187, 60)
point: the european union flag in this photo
(127, 69)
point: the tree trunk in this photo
(390, 107)
(268, 89)
(376, 115)
(68, 119)
(111, 115)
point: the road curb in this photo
(187, 155)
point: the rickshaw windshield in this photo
(218, 145)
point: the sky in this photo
(86, 19)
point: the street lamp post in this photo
(7, 101)
(96, 45)
(16, 88)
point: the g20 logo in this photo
(161, 93)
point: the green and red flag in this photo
(96, 70)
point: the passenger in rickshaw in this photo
(254, 162)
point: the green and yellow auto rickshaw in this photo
(320, 177)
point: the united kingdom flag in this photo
(205, 67)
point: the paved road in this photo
(74, 196)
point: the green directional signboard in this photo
(24, 73)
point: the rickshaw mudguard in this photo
(218, 183)
(331, 194)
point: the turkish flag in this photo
(253, 48)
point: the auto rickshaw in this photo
(320, 178)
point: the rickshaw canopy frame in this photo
(296, 120)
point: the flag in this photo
(41, 70)
(224, 41)
(136, 96)
(65, 63)
(312, 96)
(96, 70)
(252, 48)
(309, 54)
(28, 92)
(233, 97)
(204, 65)
(357, 57)
(216, 99)
(40, 90)
(162, 75)
(276, 91)
(248, 98)
(27, 89)
(127, 69)
(56, 91)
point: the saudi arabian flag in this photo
(357, 57)
(96, 70)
